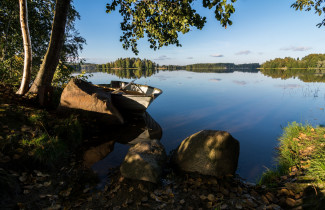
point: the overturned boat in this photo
(130, 97)
(85, 98)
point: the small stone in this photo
(273, 207)
(213, 181)
(254, 193)
(299, 202)
(142, 188)
(42, 196)
(203, 197)
(239, 206)
(297, 196)
(265, 200)
(55, 207)
(162, 206)
(209, 205)
(224, 191)
(282, 201)
(5, 159)
(262, 207)
(16, 157)
(182, 201)
(211, 197)
(25, 128)
(19, 150)
(144, 199)
(290, 202)
(250, 203)
(270, 196)
(220, 196)
(224, 206)
(284, 192)
(239, 190)
(46, 184)
(23, 178)
(291, 193)
(232, 195)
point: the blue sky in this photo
(261, 30)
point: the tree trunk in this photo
(42, 83)
(27, 48)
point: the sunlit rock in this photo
(208, 152)
(144, 161)
(82, 95)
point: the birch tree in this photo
(27, 48)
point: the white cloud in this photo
(189, 57)
(162, 58)
(293, 48)
(245, 52)
(217, 55)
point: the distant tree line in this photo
(316, 61)
(128, 63)
(222, 67)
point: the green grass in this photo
(56, 138)
(317, 167)
(39, 135)
(300, 146)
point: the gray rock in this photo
(144, 161)
(208, 152)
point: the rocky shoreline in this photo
(70, 185)
(72, 188)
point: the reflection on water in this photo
(251, 106)
(131, 73)
(305, 75)
(98, 156)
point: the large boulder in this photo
(82, 95)
(208, 152)
(144, 161)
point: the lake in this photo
(251, 106)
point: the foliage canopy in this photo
(40, 17)
(162, 20)
(318, 6)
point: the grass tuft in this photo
(298, 145)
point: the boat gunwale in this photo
(133, 95)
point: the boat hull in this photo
(134, 98)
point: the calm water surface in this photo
(252, 107)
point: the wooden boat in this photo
(131, 97)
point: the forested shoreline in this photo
(137, 63)
(311, 61)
